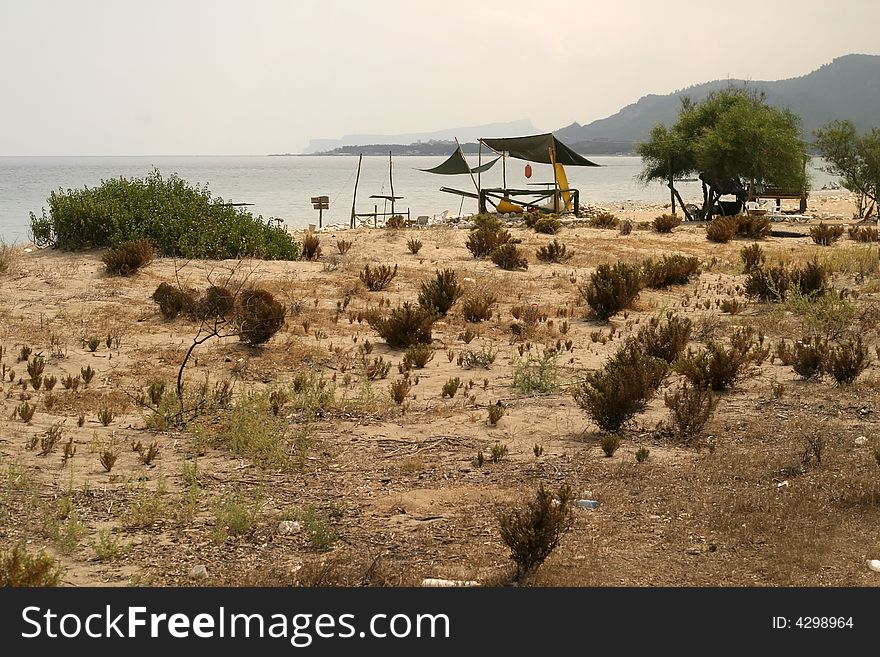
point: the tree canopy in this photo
(855, 158)
(732, 136)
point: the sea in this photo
(281, 187)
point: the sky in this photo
(250, 77)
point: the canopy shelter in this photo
(456, 164)
(545, 149)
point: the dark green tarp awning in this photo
(536, 148)
(456, 164)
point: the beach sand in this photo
(387, 494)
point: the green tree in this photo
(855, 158)
(733, 140)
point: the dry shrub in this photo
(825, 235)
(532, 532)
(811, 280)
(477, 306)
(486, 236)
(217, 301)
(846, 361)
(690, 408)
(807, 356)
(722, 229)
(666, 222)
(496, 412)
(126, 258)
(441, 293)
(752, 226)
(406, 325)
(7, 256)
(259, 316)
(553, 252)
(666, 341)
(718, 367)
(863, 234)
(614, 394)
(395, 222)
(626, 227)
(604, 220)
(549, 225)
(752, 257)
(509, 256)
(173, 301)
(769, 284)
(343, 246)
(377, 278)
(311, 247)
(400, 390)
(612, 288)
(18, 568)
(670, 270)
(414, 245)
(417, 356)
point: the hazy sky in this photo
(167, 77)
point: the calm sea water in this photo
(281, 187)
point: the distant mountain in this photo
(471, 133)
(847, 88)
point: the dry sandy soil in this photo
(388, 494)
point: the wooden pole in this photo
(391, 180)
(474, 180)
(671, 185)
(555, 180)
(354, 200)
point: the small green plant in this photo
(25, 411)
(549, 225)
(234, 516)
(107, 456)
(537, 374)
(609, 443)
(483, 358)
(666, 222)
(311, 247)
(105, 415)
(377, 368)
(498, 452)
(400, 390)
(317, 526)
(642, 454)
(49, 439)
(93, 342)
(538, 450)
(343, 246)
(485, 237)
(128, 257)
(146, 455)
(825, 235)
(35, 367)
(87, 374)
(156, 391)
(731, 306)
(414, 245)
(377, 278)
(24, 353)
(417, 356)
(70, 382)
(440, 293)
(451, 387)
(49, 382)
(479, 459)
(554, 252)
(108, 546)
(533, 531)
(510, 257)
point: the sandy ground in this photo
(389, 494)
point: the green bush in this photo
(405, 326)
(768, 284)
(614, 394)
(179, 219)
(612, 288)
(718, 367)
(18, 568)
(603, 220)
(752, 257)
(477, 306)
(482, 241)
(670, 270)
(846, 361)
(509, 256)
(666, 341)
(441, 293)
(752, 226)
(128, 257)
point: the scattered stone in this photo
(874, 564)
(861, 441)
(199, 572)
(289, 527)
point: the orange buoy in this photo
(528, 171)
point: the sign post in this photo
(321, 203)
